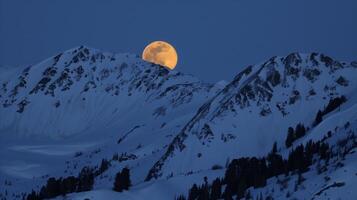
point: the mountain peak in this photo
(266, 94)
(82, 76)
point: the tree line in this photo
(331, 106)
(83, 182)
(247, 172)
(62, 186)
(300, 129)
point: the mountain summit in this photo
(84, 89)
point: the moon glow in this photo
(162, 53)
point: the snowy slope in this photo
(256, 109)
(84, 105)
(335, 179)
(83, 100)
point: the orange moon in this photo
(162, 53)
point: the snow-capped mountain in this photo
(171, 130)
(256, 109)
(87, 90)
(83, 101)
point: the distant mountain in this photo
(87, 111)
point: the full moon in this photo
(162, 53)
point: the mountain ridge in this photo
(91, 71)
(263, 89)
(83, 105)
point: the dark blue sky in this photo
(214, 38)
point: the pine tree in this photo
(275, 148)
(86, 180)
(203, 192)
(117, 183)
(68, 185)
(290, 137)
(227, 195)
(193, 193)
(104, 165)
(242, 186)
(275, 165)
(122, 180)
(300, 131)
(324, 151)
(126, 178)
(216, 190)
(52, 188)
(318, 118)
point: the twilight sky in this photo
(215, 39)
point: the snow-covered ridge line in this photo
(82, 77)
